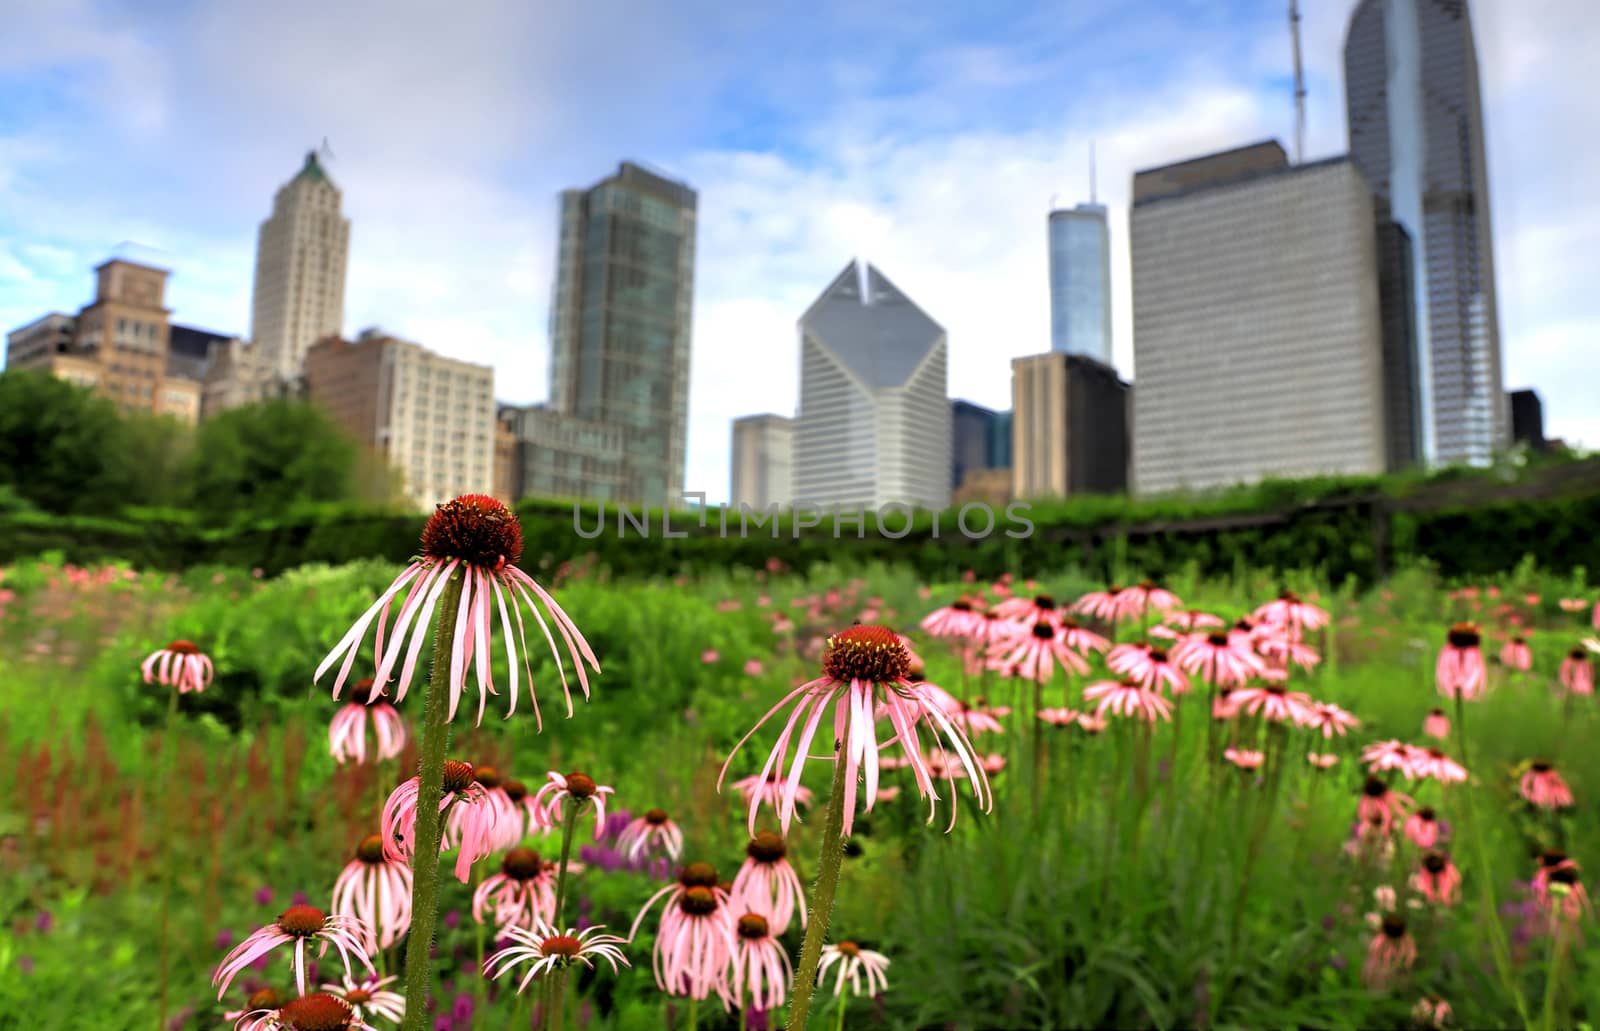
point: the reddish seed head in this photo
(1552, 857)
(357, 996)
(698, 901)
(752, 926)
(698, 875)
(263, 999)
(1068, 623)
(1043, 631)
(1277, 689)
(1433, 862)
(848, 948)
(458, 775)
(1541, 766)
(1130, 682)
(564, 945)
(1577, 654)
(515, 790)
(655, 817)
(1158, 655)
(872, 654)
(488, 776)
(1463, 635)
(1434, 753)
(319, 1012)
(1044, 603)
(1394, 925)
(371, 849)
(183, 648)
(961, 605)
(521, 864)
(1289, 596)
(1374, 788)
(1566, 875)
(362, 692)
(766, 847)
(1217, 639)
(1426, 814)
(1147, 585)
(580, 785)
(302, 921)
(476, 529)
(1114, 590)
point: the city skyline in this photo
(907, 165)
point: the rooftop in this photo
(872, 328)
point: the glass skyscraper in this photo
(1080, 282)
(1416, 132)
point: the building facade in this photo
(874, 421)
(1069, 427)
(620, 328)
(302, 254)
(1415, 117)
(1080, 282)
(563, 456)
(975, 440)
(237, 374)
(1527, 419)
(763, 450)
(1257, 328)
(507, 455)
(429, 416)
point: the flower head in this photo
(476, 827)
(1424, 828)
(958, 619)
(347, 731)
(1431, 1012)
(1128, 697)
(1380, 805)
(1244, 758)
(770, 790)
(375, 891)
(477, 540)
(1151, 665)
(767, 884)
(1430, 762)
(577, 788)
(1542, 786)
(370, 995)
(694, 944)
(1033, 651)
(522, 894)
(759, 966)
(1330, 719)
(297, 926)
(1577, 672)
(854, 963)
(1460, 669)
(1436, 725)
(180, 665)
(1437, 879)
(1289, 612)
(650, 833)
(316, 1012)
(1392, 952)
(544, 949)
(1274, 702)
(1216, 658)
(1516, 654)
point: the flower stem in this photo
(567, 827)
(430, 785)
(556, 1012)
(805, 979)
(694, 1012)
(170, 748)
(1552, 982)
(844, 1000)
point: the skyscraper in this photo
(1416, 131)
(972, 432)
(1257, 328)
(1080, 282)
(620, 321)
(763, 450)
(302, 252)
(874, 422)
(1070, 427)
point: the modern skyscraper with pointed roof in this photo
(1415, 117)
(302, 253)
(874, 421)
(1080, 282)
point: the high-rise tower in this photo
(1080, 282)
(302, 253)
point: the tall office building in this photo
(874, 422)
(1527, 419)
(619, 330)
(1069, 427)
(1080, 282)
(975, 440)
(763, 451)
(301, 255)
(430, 416)
(1416, 131)
(1257, 325)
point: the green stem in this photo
(430, 785)
(844, 1000)
(567, 827)
(1553, 975)
(170, 748)
(694, 1013)
(480, 983)
(555, 1016)
(805, 979)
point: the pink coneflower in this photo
(1283, 649)
(347, 731)
(1322, 760)
(1111, 604)
(1331, 720)
(1244, 758)
(460, 788)
(1190, 620)
(1128, 697)
(1431, 1011)
(478, 537)
(1059, 717)
(1215, 659)
(297, 925)
(855, 963)
(1146, 595)
(694, 944)
(958, 619)
(1381, 805)
(1370, 842)
(508, 821)
(1460, 669)
(262, 999)
(759, 966)
(1091, 724)
(1542, 786)
(1558, 889)
(709, 656)
(770, 790)
(370, 995)
(1573, 604)
(767, 884)
(1274, 702)
(753, 668)
(180, 665)
(1290, 612)
(1437, 880)
(1516, 654)
(862, 667)
(522, 894)
(975, 720)
(529, 817)
(1430, 762)
(1027, 611)
(1436, 725)
(549, 949)
(579, 788)
(316, 1012)
(375, 891)
(1033, 653)
(1423, 827)
(1381, 756)
(1081, 639)
(1391, 954)
(1150, 666)
(651, 833)
(1577, 672)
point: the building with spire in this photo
(1080, 282)
(302, 255)
(874, 421)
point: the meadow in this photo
(1195, 870)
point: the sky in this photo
(929, 139)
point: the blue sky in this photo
(929, 139)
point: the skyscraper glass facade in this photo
(1080, 282)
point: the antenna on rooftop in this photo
(325, 152)
(1299, 85)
